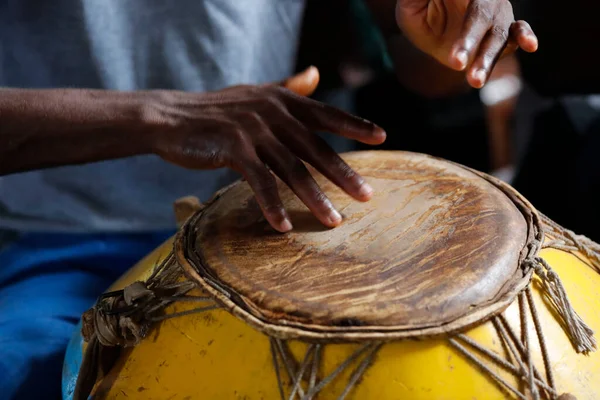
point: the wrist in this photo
(127, 116)
(159, 118)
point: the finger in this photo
(294, 173)
(317, 116)
(314, 150)
(510, 48)
(304, 83)
(477, 22)
(265, 190)
(489, 52)
(522, 33)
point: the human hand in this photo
(258, 129)
(465, 35)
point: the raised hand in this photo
(465, 35)
(257, 130)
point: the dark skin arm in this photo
(50, 128)
(444, 47)
(251, 129)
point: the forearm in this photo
(421, 73)
(54, 127)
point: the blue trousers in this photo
(46, 282)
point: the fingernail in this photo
(534, 41)
(312, 72)
(365, 190)
(286, 225)
(334, 217)
(479, 75)
(379, 134)
(462, 58)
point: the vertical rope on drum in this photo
(541, 338)
(284, 354)
(360, 370)
(301, 371)
(510, 336)
(517, 355)
(276, 366)
(527, 345)
(503, 363)
(329, 378)
(316, 361)
(484, 367)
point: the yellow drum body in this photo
(217, 356)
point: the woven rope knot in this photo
(120, 318)
(580, 334)
(552, 276)
(535, 264)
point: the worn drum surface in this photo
(435, 253)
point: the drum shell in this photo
(214, 355)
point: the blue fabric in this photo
(46, 282)
(72, 363)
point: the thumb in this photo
(303, 83)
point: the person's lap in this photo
(46, 282)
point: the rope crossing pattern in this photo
(519, 358)
(311, 365)
(122, 318)
(518, 362)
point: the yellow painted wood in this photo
(216, 356)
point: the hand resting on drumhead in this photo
(253, 129)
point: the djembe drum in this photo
(446, 285)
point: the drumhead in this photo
(437, 249)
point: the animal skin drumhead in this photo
(437, 244)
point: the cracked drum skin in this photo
(434, 245)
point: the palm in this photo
(433, 26)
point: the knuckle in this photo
(500, 32)
(348, 173)
(238, 135)
(215, 157)
(253, 118)
(273, 102)
(483, 11)
(321, 199)
(298, 129)
(256, 90)
(280, 91)
(523, 27)
(273, 208)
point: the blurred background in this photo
(544, 145)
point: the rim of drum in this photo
(185, 239)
